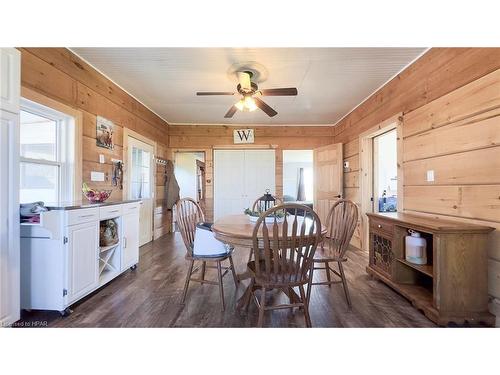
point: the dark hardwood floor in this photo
(149, 297)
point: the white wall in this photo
(185, 172)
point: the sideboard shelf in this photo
(453, 285)
(424, 268)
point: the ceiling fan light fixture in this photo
(240, 105)
(250, 104)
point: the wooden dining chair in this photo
(340, 225)
(285, 256)
(188, 214)
(258, 205)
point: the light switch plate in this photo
(96, 176)
(430, 175)
(101, 158)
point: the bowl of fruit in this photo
(95, 196)
(279, 216)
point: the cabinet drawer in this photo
(109, 212)
(131, 208)
(377, 225)
(83, 216)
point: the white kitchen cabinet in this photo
(130, 239)
(61, 260)
(83, 251)
(9, 185)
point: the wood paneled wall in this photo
(207, 137)
(450, 100)
(59, 74)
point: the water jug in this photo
(416, 248)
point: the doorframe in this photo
(366, 169)
(130, 133)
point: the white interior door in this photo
(141, 184)
(240, 176)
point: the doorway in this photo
(140, 183)
(380, 174)
(189, 170)
(385, 172)
(298, 178)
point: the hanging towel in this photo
(171, 186)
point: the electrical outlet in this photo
(346, 164)
(430, 175)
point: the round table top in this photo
(237, 230)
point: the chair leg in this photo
(328, 277)
(250, 255)
(260, 323)
(344, 283)
(309, 285)
(186, 284)
(235, 278)
(203, 266)
(306, 306)
(249, 295)
(221, 287)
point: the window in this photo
(47, 154)
(385, 172)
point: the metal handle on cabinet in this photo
(124, 242)
(113, 211)
(84, 216)
(379, 226)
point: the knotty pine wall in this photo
(207, 137)
(450, 100)
(60, 75)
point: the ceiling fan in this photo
(250, 94)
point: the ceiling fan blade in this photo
(286, 91)
(268, 110)
(214, 93)
(244, 79)
(231, 112)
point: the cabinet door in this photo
(130, 243)
(229, 183)
(9, 218)
(83, 248)
(10, 79)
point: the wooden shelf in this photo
(102, 249)
(424, 268)
(419, 296)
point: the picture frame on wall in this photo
(104, 133)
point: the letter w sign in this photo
(243, 136)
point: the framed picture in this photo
(104, 135)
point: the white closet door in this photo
(260, 174)
(240, 177)
(229, 182)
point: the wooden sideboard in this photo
(453, 285)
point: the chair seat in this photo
(207, 258)
(324, 254)
(284, 278)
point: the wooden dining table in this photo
(237, 230)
